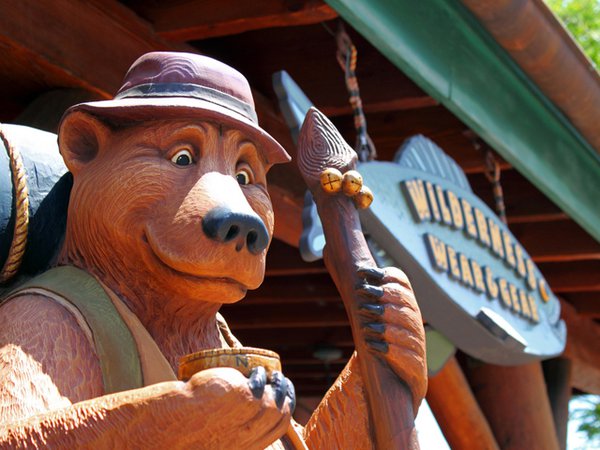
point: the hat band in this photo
(191, 90)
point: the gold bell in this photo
(331, 180)
(364, 198)
(352, 183)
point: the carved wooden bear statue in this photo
(170, 218)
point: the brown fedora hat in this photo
(172, 85)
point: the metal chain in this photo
(19, 240)
(347, 57)
(492, 173)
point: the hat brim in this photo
(139, 109)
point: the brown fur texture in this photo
(336, 420)
(135, 224)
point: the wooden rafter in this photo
(587, 304)
(562, 240)
(399, 104)
(574, 276)
(200, 19)
(56, 37)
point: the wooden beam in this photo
(285, 260)
(308, 54)
(287, 339)
(200, 19)
(390, 129)
(533, 218)
(306, 356)
(523, 201)
(399, 104)
(457, 412)
(291, 290)
(561, 240)
(557, 373)
(574, 276)
(583, 335)
(288, 316)
(91, 44)
(516, 404)
(587, 304)
(304, 373)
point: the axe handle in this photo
(389, 399)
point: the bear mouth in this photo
(164, 262)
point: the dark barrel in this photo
(49, 186)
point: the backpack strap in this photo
(115, 345)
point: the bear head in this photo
(170, 181)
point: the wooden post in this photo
(557, 373)
(516, 404)
(457, 412)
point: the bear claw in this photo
(370, 291)
(372, 308)
(378, 346)
(373, 273)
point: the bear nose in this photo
(224, 225)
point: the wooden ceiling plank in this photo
(523, 201)
(587, 304)
(556, 241)
(92, 42)
(534, 218)
(200, 19)
(288, 339)
(284, 260)
(397, 104)
(574, 276)
(286, 315)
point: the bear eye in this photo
(183, 158)
(243, 177)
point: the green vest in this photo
(115, 345)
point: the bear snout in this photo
(245, 229)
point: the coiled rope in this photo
(19, 239)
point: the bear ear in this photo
(80, 138)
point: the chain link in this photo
(347, 56)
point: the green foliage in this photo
(582, 19)
(589, 418)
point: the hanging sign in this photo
(473, 280)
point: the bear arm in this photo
(342, 419)
(39, 410)
(46, 360)
(214, 410)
